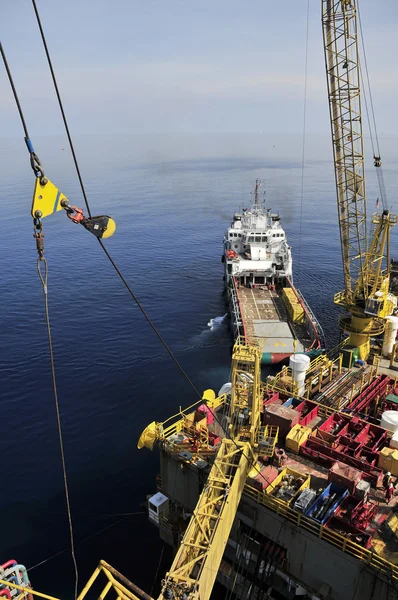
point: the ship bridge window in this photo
(250, 238)
(239, 235)
(264, 239)
(258, 238)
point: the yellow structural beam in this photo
(196, 563)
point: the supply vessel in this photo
(286, 488)
(264, 305)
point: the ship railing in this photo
(320, 371)
(180, 417)
(318, 331)
(328, 535)
(115, 582)
(237, 313)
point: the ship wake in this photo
(216, 322)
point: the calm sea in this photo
(172, 199)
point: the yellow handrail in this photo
(322, 532)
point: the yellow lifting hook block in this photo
(46, 198)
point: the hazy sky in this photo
(183, 66)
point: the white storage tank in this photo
(299, 364)
(394, 441)
(390, 335)
(389, 420)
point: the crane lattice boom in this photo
(342, 65)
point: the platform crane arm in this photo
(366, 270)
(195, 566)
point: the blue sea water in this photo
(172, 199)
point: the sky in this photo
(183, 66)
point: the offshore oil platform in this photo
(286, 487)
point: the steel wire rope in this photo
(43, 279)
(157, 570)
(379, 171)
(138, 303)
(240, 567)
(304, 135)
(43, 275)
(108, 254)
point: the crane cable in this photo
(108, 254)
(375, 150)
(304, 135)
(42, 269)
(138, 303)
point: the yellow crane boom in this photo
(194, 569)
(366, 269)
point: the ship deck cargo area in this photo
(323, 456)
(266, 320)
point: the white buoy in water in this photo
(299, 364)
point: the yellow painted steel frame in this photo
(363, 270)
(246, 398)
(342, 65)
(195, 566)
(115, 582)
(194, 569)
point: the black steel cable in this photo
(107, 252)
(89, 211)
(61, 107)
(379, 169)
(43, 278)
(14, 91)
(368, 79)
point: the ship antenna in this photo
(256, 204)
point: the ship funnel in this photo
(299, 364)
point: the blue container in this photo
(325, 505)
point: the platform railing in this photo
(328, 535)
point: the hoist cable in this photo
(89, 212)
(368, 80)
(114, 264)
(304, 136)
(43, 274)
(14, 91)
(61, 107)
(379, 169)
(43, 278)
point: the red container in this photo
(281, 416)
(263, 480)
(345, 476)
